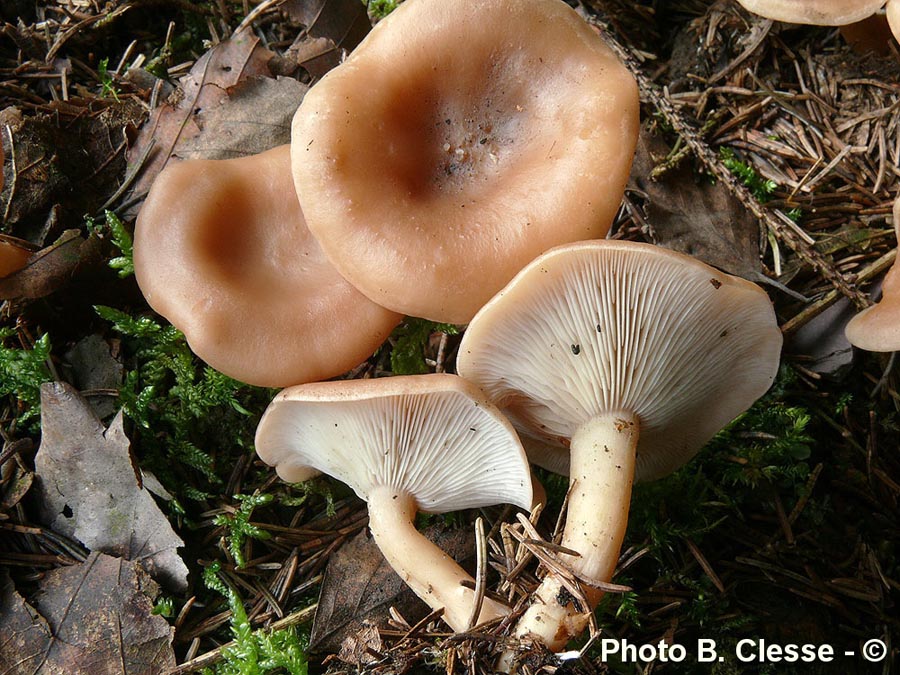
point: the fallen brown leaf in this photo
(362, 648)
(822, 344)
(332, 28)
(693, 215)
(91, 489)
(232, 104)
(92, 619)
(51, 268)
(66, 152)
(256, 117)
(199, 93)
(359, 587)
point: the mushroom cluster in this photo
(423, 186)
(424, 195)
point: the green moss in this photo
(255, 652)
(409, 342)
(761, 188)
(22, 372)
(188, 414)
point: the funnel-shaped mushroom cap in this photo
(459, 141)
(814, 12)
(435, 437)
(607, 327)
(222, 251)
(877, 328)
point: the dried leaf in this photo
(93, 619)
(93, 367)
(256, 117)
(344, 22)
(332, 28)
(822, 344)
(51, 268)
(91, 489)
(692, 215)
(230, 105)
(15, 482)
(204, 89)
(360, 586)
(362, 648)
(67, 152)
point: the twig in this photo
(810, 312)
(129, 179)
(15, 173)
(704, 563)
(480, 574)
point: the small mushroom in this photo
(429, 443)
(457, 142)
(872, 34)
(814, 12)
(222, 251)
(631, 355)
(877, 328)
(892, 11)
(14, 254)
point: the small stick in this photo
(823, 303)
(807, 493)
(704, 563)
(481, 572)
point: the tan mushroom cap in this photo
(436, 437)
(877, 328)
(13, 254)
(604, 327)
(814, 12)
(459, 141)
(222, 251)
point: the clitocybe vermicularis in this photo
(221, 249)
(429, 443)
(458, 141)
(630, 355)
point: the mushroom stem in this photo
(603, 452)
(432, 575)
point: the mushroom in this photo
(872, 34)
(814, 12)
(861, 22)
(429, 443)
(457, 142)
(633, 356)
(892, 10)
(221, 249)
(877, 328)
(14, 254)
